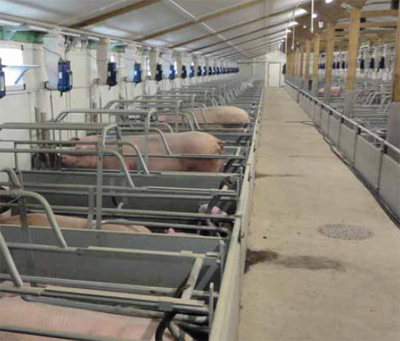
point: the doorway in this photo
(274, 75)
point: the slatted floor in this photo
(304, 285)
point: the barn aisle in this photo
(301, 284)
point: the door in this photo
(274, 75)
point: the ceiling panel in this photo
(185, 34)
(208, 41)
(224, 48)
(216, 39)
(147, 19)
(103, 29)
(244, 29)
(230, 49)
(58, 11)
(270, 32)
(232, 19)
(203, 7)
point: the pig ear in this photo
(4, 199)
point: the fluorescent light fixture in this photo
(70, 34)
(300, 11)
(118, 43)
(292, 23)
(28, 28)
(314, 15)
(93, 38)
(328, 1)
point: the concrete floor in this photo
(308, 286)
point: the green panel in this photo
(22, 37)
(118, 49)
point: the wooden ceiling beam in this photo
(115, 13)
(374, 14)
(356, 3)
(201, 19)
(383, 24)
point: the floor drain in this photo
(345, 232)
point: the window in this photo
(12, 58)
(175, 65)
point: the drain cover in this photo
(346, 232)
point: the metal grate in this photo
(345, 232)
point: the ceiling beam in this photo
(201, 19)
(234, 27)
(370, 24)
(356, 3)
(375, 14)
(115, 13)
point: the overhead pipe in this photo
(66, 30)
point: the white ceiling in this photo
(163, 15)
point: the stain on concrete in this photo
(292, 262)
(283, 175)
(261, 256)
(310, 263)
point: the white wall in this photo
(257, 69)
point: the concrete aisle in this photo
(307, 286)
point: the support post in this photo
(354, 37)
(317, 42)
(301, 65)
(394, 111)
(307, 66)
(288, 64)
(330, 48)
(295, 64)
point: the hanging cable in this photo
(50, 51)
(312, 16)
(294, 29)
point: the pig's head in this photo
(79, 161)
(214, 210)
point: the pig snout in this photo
(214, 210)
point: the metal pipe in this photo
(44, 203)
(11, 267)
(56, 334)
(349, 120)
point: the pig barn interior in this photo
(200, 170)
